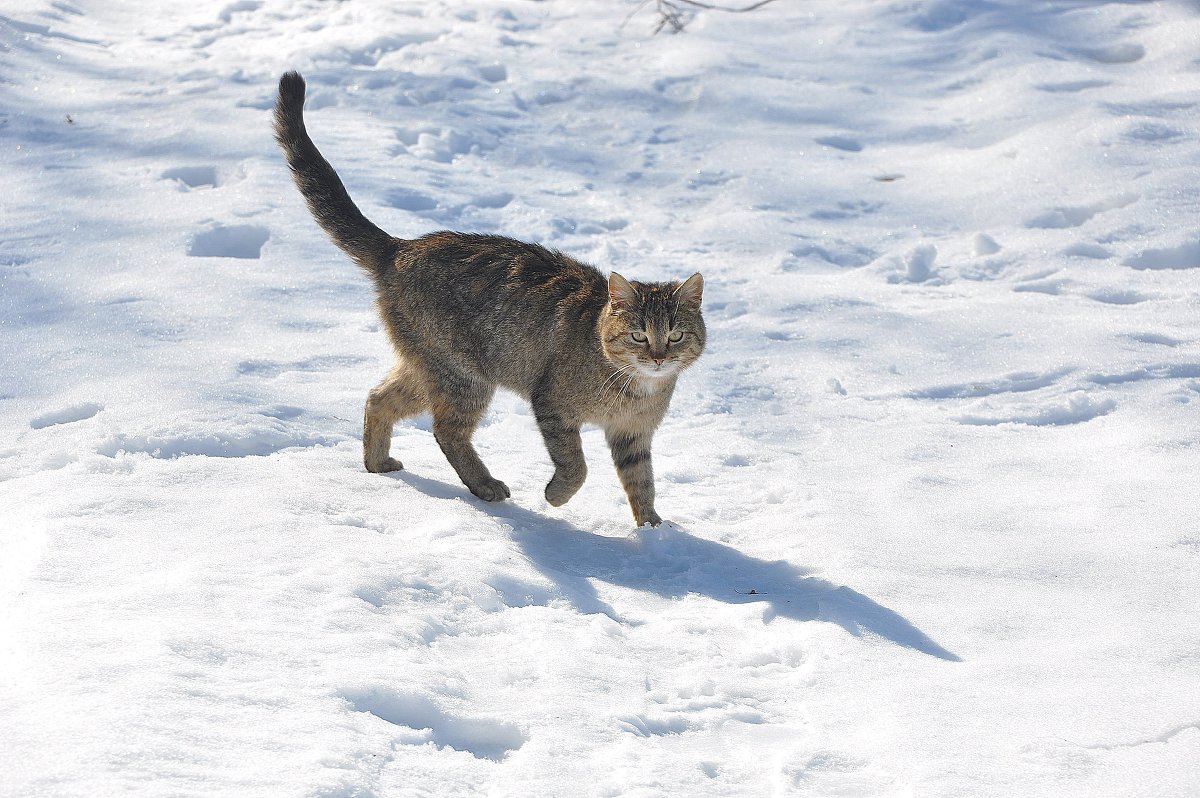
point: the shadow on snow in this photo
(671, 562)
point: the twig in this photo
(670, 12)
(633, 13)
(698, 4)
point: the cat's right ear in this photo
(621, 293)
(690, 292)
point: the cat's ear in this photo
(690, 292)
(621, 293)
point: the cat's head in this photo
(656, 328)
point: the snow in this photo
(931, 491)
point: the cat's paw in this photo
(388, 464)
(650, 518)
(491, 490)
(561, 488)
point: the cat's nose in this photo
(658, 361)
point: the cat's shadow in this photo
(671, 562)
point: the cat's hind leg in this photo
(400, 395)
(458, 403)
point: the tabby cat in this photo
(467, 313)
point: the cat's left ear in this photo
(690, 292)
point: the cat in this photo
(468, 312)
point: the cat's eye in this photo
(639, 337)
(675, 337)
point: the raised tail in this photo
(339, 217)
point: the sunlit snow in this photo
(933, 491)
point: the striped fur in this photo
(468, 313)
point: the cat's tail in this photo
(370, 247)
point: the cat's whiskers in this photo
(611, 380)
(629, 381)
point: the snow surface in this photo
(933, 489)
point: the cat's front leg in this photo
(566, 452)
(631, 455)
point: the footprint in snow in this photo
(687, 709)
(481, 737)
(1063, 217)
(493, 73)
(984, 244)
(707, 178)
(832, 772)
(1157, 109)
(66, 415)
(1183, 256)
(274, 368)
(1078, 408)
(1072, 86)
(282, 412)
(1119, 296)
(249, 441)
(230, 241)
(442, 145)
(1052, 287)
(1155, 339)
(832, 252)
(1152, 133)
(1017, 382)
(564, 226)
(843, 143)
(238, 7)
(409, 200)
(190, 177)
(1086, 250)
(1153, 371)
(846, 210)
(1123, 53)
